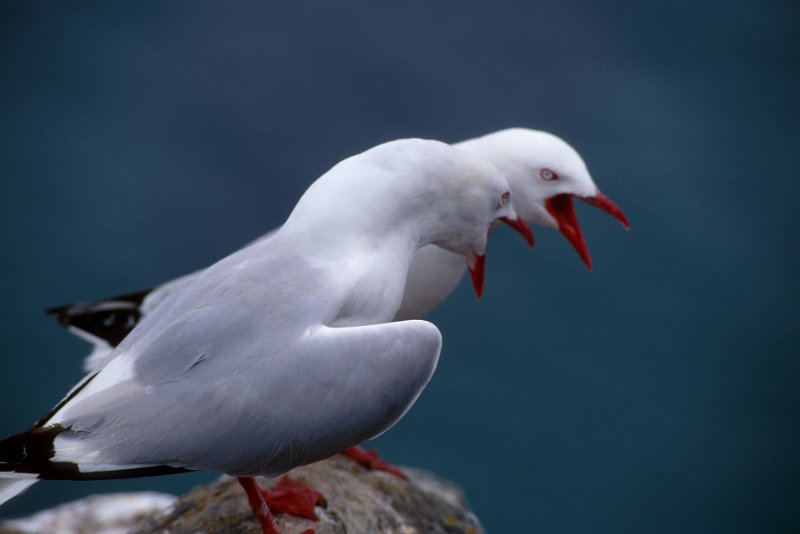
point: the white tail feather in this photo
(12, 484)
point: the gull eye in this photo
(504, 198)
(547, 175)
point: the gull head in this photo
(471, 197)
(545, 174)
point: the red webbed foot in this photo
(285, 497)
(288, 496)
(371, 460)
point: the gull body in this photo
(543, 171)
(282, 353)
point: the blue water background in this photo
(659, 393)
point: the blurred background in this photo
(659, 393)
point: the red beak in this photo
(604, 203)
(477, 266)
(562, 210)
(521, 227)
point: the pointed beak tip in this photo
(606, 204)
(587, 260)
(521, 227)
(477, 267)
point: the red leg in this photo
(258, 504)
(371, 460)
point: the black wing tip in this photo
(70, 471)
(32, 452)
(59, 310)
(29, 451)
(68, 310)
(110, 320)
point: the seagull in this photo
(283, 353)
(545, 174)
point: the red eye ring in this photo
(547, 175)
(504, 198)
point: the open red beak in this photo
(521, 227)
(562, 210)
(477, 266)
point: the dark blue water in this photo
(659, 393)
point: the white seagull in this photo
(544, 173)
(284, 352)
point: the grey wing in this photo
(105, 323)
(103, 346)
(328, 390)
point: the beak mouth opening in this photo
(521, 227)
(563, 211)
(607, 205)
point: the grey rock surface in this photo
(358, 501)
(113, 513)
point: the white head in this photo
(420, 189)
(544, 173)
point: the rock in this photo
(114, 513)
(357, 501)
